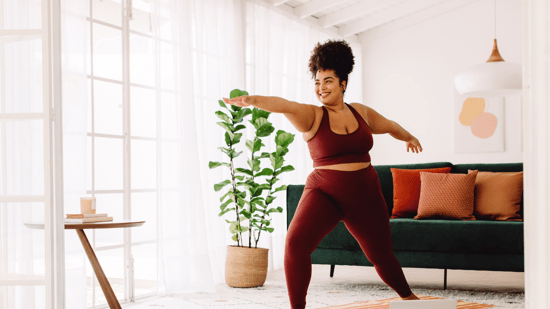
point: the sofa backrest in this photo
(294, 192)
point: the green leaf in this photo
(239, 127)
(281, 188)
(233, 114)
(214, 164)
(244, 229)
(247, 111)
(239, 177)
(269, 200)
(225, 211)
(242, 184)
(258, 145)
(219, 186)
(264, 186)
(249, 145)
(264, 155)
(233, 228)
(280, 150)
(269, 229)
(260, 122)
(278, 209)
(246, 214)
(234, 237)
(265, 131)
(229, 128)
(228, 139)
(222, 104)
(257, 201)
(259, 113)
(241, 202)
(223, 116)
(237, 93)
(273, 160)
(284, 139)
(224, 205)
(254, 165)
(265, 172)
(237, 154)
(229, 193)
(236, 138)
(287, 168)
(273, 180)
(279, 162)
(244, 170)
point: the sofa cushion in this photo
(406, 190)
(446, 196)
(479, 236)
(386, 180)
(498, 195)
(490, 167)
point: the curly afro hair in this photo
(332, 55)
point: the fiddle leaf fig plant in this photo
(256, 209)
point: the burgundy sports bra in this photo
(327, 147)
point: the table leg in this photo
(105, 286)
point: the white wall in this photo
(408, 74)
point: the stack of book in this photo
(87, 218)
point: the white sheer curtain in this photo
(22, 250)
(208, 62)
(75, 114)
(278, 48)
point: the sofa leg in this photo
(445, 280)
(331, 270)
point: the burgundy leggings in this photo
(355, 198)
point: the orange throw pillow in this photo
(406, 190)
(498, 196)
(447, 196)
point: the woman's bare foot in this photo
(410, 297)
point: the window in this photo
(124, 140)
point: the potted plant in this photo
(246, 266)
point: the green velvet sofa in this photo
(442, 244)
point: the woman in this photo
(343, 186)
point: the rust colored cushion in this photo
(406, 190)
(447, 196)
(497, 196)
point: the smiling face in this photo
(328, 88)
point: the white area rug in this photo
(273, 294)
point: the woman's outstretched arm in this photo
(302, 116)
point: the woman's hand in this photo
(413, 144)
(242, 101)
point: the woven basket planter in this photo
(245, 267)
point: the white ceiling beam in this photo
(413, 19)
(314, 21)
(350, 12)
(386, 16)
(314, 7)
(278, 2)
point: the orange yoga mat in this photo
(385, 304)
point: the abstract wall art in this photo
(478, 124)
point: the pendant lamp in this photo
(494, 78)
